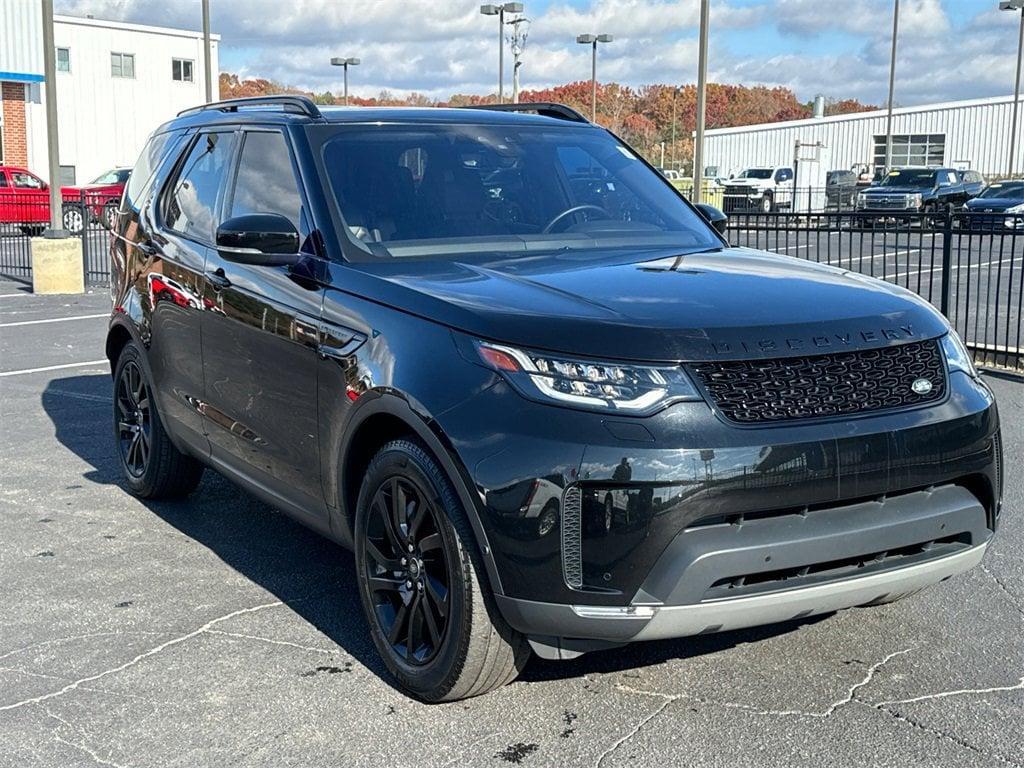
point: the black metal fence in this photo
(25, 213)
(969, 265)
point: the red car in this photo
(25, 200)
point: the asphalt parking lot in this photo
(217, 632)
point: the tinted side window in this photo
(191, 204)
(139, 180)
(266, 182)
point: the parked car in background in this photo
(999, 198)
(841, 189)
(974, 183)
(917, 190)
(763, 188)
(103, 194)
(25, 200)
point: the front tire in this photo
(152, 467)
(422, 582)
(766, 205)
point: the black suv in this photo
(925, 190)
(498, 355)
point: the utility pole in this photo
(52, 147)
(206, 51)
(892, 84)
(1015, 5)
(702, 85)
(518, 40)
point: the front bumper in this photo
(686, 523)
(783, 568)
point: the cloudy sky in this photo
(949, 49)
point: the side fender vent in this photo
(572, 537)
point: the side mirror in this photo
(261, 239)
(714, 217)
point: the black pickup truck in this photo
(913, 190)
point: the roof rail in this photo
(288, 103)
(545, 108)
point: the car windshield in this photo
(117, 176)
(756, 173)
(909, 177)
(440, 190)
(1011, 189)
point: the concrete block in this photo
(57, 265)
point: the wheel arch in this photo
(117, 337)
(389, 416)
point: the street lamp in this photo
(345, 63)
(892, 85)
(500, 11)
(702, 88)
(593, 40)
(1015, 5)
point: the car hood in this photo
(896, 190)
(992, 203)
(731, 303)
(748, 182)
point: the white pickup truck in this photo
(762, 188)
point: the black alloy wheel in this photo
(408, 574)
(134, 419)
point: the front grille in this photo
(821, 386)
(886, 202)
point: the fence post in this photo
(947, 259)
(85, 241)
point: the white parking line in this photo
(54, 367)
(53, 320)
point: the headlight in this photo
(914, 201)
(862, 200)
(957, 356)
(1016, 209)
(597, 385)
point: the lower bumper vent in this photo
(572, 537)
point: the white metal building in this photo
(964, 134)
(116, 82)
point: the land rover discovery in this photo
(547, 405)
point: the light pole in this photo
(500, 11)
(520, 31)
(53, 156)
(593, 40)
(892, 85)
(206, 51)
(337, 61)
(702, 86)
(1015, 5)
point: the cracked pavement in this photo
(218, 632)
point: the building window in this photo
(181, 70)
(63, 59)
(122, 65)
(912, 149)
(67, 176)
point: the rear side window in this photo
(265, 182)
(139, 181)
(191, 203)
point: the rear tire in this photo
(152, 467)
(73, 218)
(422, 582)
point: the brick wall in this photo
(15, 142)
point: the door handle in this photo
(218, 279)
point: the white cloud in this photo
(444, 47)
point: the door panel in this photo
(260, 335)
(259, 347)
(173, 288)
(175, 279)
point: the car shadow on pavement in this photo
(311, 575)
